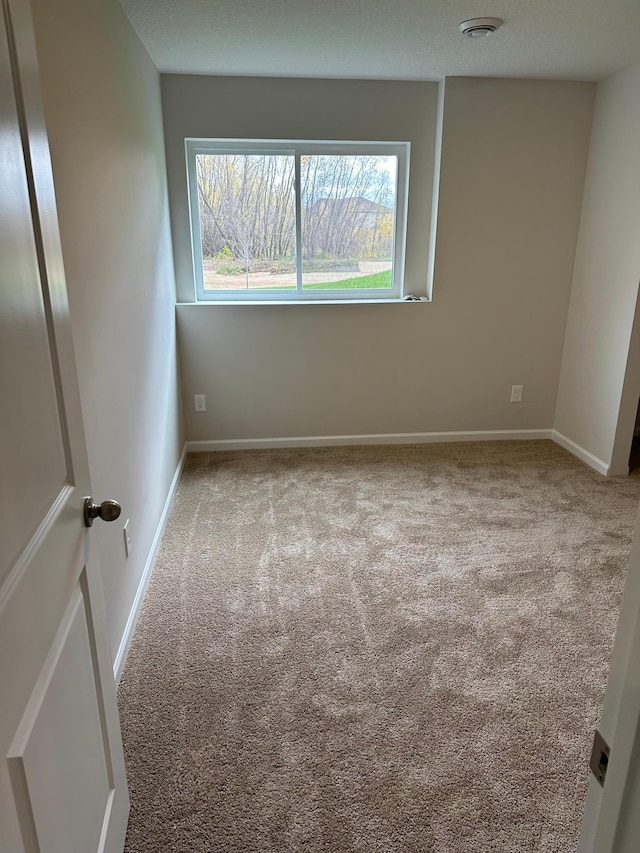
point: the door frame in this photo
(628, 406)
(611, 813)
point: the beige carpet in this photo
(375, 649)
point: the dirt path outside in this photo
(215, 281)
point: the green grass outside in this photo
(364, 282)
(375, 280)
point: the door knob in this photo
(107, 511)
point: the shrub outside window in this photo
(288, 220)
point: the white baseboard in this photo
(406, 438)
(591, 460)
(374, 438)
(127, 636)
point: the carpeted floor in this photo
(375, 649)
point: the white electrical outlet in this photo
(200, 402)
(516, 393)
(127, 537)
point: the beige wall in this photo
(600, 380)
(264, 108)
(102, 104)
(513, 163)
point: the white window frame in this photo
(297, 148)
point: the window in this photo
(297, 220)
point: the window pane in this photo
(348, 220)
(247, 221)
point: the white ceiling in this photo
(405, 39)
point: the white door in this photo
(62, 779)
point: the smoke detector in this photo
(476, 27)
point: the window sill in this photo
(234, 302)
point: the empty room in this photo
(320, 375)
